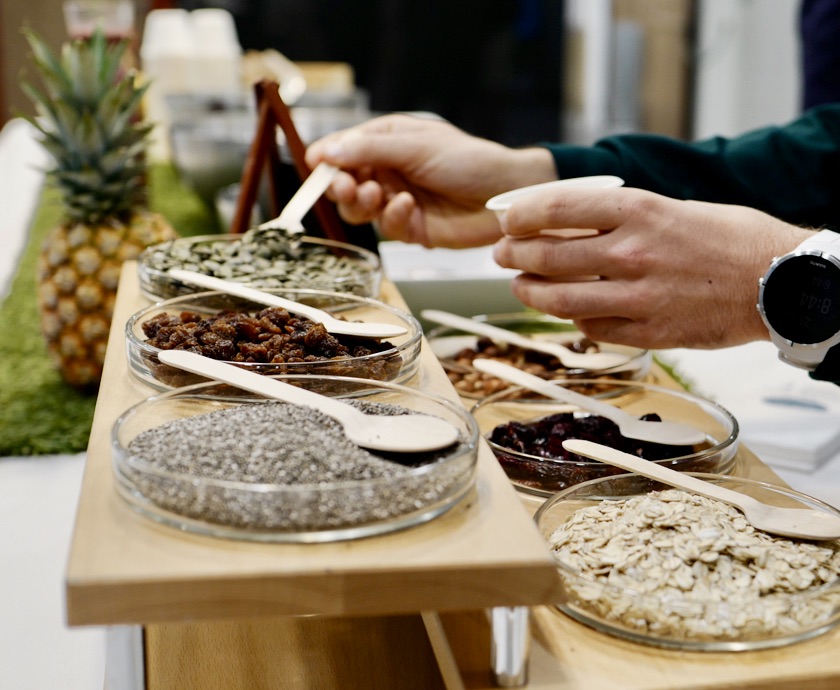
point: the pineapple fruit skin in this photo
(78, 275)
(89, 119)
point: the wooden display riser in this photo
(221, 614)
(566, 655)
(216, 599)
(292, 653)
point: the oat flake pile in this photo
(676, 564)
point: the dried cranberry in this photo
(543, 439)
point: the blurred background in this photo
(517, 71)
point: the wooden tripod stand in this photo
(264, 155)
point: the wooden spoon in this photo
(293, 213)
(365, 329)
(569, 359)
(669, 433)
(408, 433)
(800, 523)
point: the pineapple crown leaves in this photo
(87, 119)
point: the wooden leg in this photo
(509, 645)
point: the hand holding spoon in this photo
(669, 433)
(332, 324)
(569, 359)
(409, 433)
(800, 523)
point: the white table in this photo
(38, 495)
(740, 378)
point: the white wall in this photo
(747, 61)
(748, 65)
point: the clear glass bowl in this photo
(545, 476)
(319, 264)
(399, 362)
(685, 622)
(168, 488)
(456, 350)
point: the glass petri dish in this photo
(690, 619)
(265, 263)
(536, 474)
(394, 359)
(204, 489)
(456, 350)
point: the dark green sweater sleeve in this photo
(790, 171)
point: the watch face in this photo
(801, 299)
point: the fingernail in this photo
(503, 222)
(334, 151)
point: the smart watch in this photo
(799, 301)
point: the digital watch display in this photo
(799, 300)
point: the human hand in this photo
(660, 273)
(424, 180)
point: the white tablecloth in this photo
(38, 495)
(743, 379)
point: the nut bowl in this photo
(395, 359)
(261, 259)
(216, 460)
(525, 432)
(727, 587)
(456, 351)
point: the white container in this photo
(166, 60)
(182, 53)
(167, 49)
(217, 54)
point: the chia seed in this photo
(281, 467)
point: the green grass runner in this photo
(39, 413)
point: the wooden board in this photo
(125, 568)
(566, 655)
(292, 654)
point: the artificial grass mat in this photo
(39, 413)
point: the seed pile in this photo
(683, 566)
(285, 445)
(470, 382)
(269, 258)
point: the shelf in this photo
(403, 610)
(126, 569)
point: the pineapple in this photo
(88, 121)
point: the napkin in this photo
(797, 427)
(787, 419)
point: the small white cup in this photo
(165, 32)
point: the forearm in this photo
(784, 171)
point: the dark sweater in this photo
(791, 172)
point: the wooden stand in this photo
(264, 155)
(125, 569)
(405, 610)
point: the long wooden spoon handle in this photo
(653, 470)
(257, 383)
